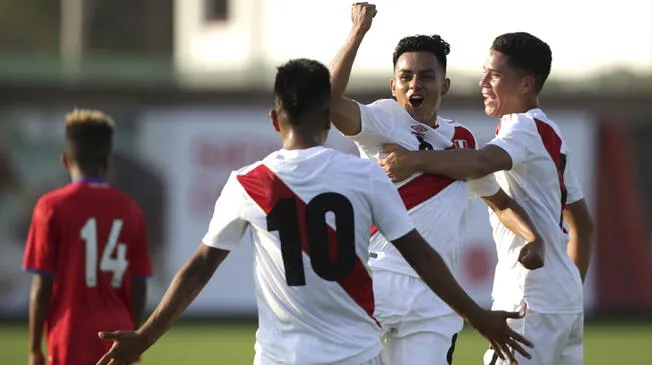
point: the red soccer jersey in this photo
(93, 239)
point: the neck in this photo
(430, 121)
(76, 174)
(529, 104)
(301, 140)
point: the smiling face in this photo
(505, 90)
(418, 85)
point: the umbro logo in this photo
(419, 128)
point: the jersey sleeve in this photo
(141, 259)
(572, 186)
(227, 226)
(376, 124)
(483, 187)
(41, 249)
(387, 209)
(515, 136)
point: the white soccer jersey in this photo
(436, 203)
(542, 182)
(310, 212)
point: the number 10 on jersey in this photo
(116, 265)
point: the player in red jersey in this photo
(87, 248)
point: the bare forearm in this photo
(460, 164)
(514, 218)
(434, 272)
(579, 250)
(185, 287)
(580, 244)
(39, 308)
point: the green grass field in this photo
(215, 343)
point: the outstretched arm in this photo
(185, 286)
(345, 113)
(434, 272)
(579, 221)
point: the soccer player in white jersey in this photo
(310, 210)
(418, 324)
(531, 162)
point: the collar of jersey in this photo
(90, 180)
(537, 113)
(303, 151)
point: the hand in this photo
(127, 347)
(532, 255)
(362, 15)
(504, 340)
(36, 358)
(397, 165)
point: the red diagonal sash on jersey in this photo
(426, 186)
(265, 188)
(552, 142)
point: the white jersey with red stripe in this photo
(310, 212)
(436, 204)
(542, 182)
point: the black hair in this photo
(424, 43)
(89, 139)
(303, 89)
(526, 54)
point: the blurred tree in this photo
(111, 26)
(29, 27)
(127, 26)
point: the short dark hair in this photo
(89, 139)
(526, 54)
(303, 89)
(423, 43)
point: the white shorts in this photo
(258, 360)
(557, 339)
(411, 315)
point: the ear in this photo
(64, 161)
(528, 84)
(446, 86)
(392, 86)
(274, 117)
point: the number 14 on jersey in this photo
(116, 265)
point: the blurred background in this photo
(189, 85)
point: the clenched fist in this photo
(362, 14)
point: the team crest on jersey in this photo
(419, 129)
(460, 143)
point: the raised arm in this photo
(580, 223)
(345, 113)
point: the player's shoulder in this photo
(55, 197)
(386, 106)
(519, 120)
(454, 124)
(458, 132)
(119, 197)
(248, 168)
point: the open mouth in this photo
(416, 101)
